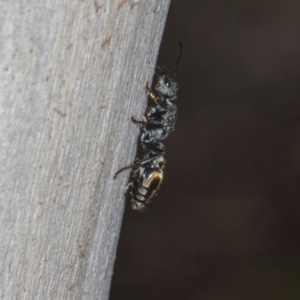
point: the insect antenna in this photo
(179, 56)
(162, 69)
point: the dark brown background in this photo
(225, 224)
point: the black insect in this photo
(158, 122)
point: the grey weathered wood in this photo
(72, 73)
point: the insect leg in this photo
(122, 169)
(144, 121)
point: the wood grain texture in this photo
(72, 74)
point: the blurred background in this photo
(225, 223)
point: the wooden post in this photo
(72, 75)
